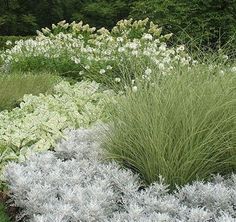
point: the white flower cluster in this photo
(74, 184)
(47, 48)
(40, 120)
(98, 53)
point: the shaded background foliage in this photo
(20, 17)
(201, 22)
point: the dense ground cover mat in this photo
(40, 120)
(74, 184)
(78, 51)
(181, 126)
(16, 85)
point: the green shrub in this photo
(102, 13)
(15, 86)
(24, 18)
(199, 22)
(182, 126)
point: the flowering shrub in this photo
(40, 120)
(78, 51)
(74, 184)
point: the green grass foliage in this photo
(15, 86)
(182, 126)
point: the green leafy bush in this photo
(202, 22)
(182, 126)
(23, 18)
(15, 86)
(102, 13)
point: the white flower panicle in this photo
(101, 50)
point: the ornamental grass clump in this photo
(181, 126)
(16, 85)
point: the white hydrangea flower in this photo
(162, 47)
(180, 48)
(147, 36)
(148, 71)
(134, 88)
(233, 69)
(161, 66)
(109, 67)
(120, 39)
(222, 72)
(117, 79)
(102, 71)
(8, 42)
(121, 49)
(133, 45)
(135, 52)
(225, 57)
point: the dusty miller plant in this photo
(74, 184)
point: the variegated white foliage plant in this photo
(40, 120)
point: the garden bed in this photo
(135, 130)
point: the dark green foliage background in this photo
(20, 17)
(201, 22)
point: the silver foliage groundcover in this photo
(74, 185)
